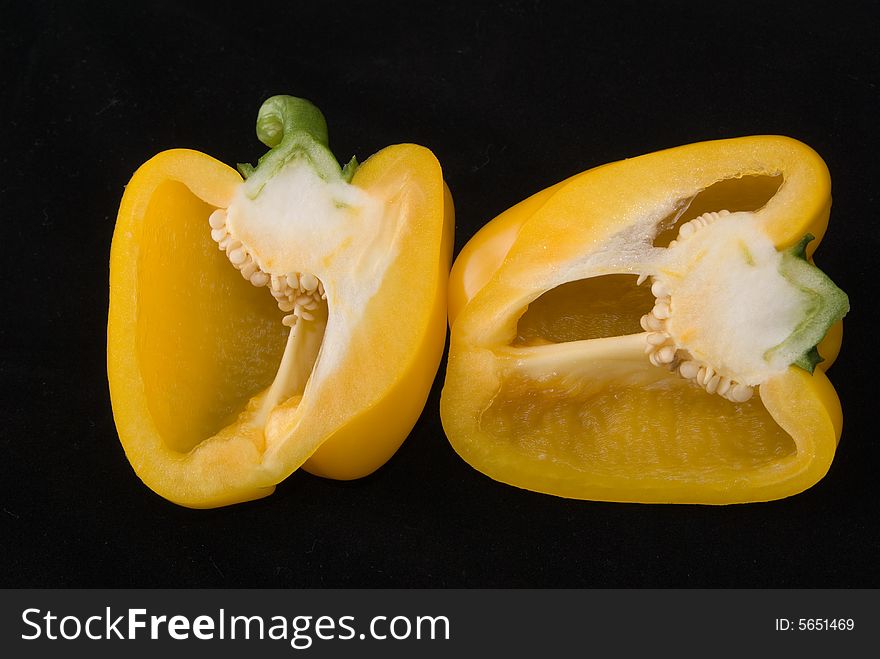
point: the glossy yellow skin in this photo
(594, 423)
(190, 342)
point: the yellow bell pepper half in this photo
(295, 318)
(646, 331)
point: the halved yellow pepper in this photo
(217, 396)
(567, 377)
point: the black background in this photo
(511, 97)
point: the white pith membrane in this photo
(308, 241)
(722, 306)
(297, 292)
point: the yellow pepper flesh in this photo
(582, 414)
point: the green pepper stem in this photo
(292, 128)
(283, 115)
(826, 305)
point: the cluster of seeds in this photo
(660, 346)
(298, 294)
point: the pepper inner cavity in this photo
(743, 193)
(592, 308)
(300, 296)
(582, 426)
